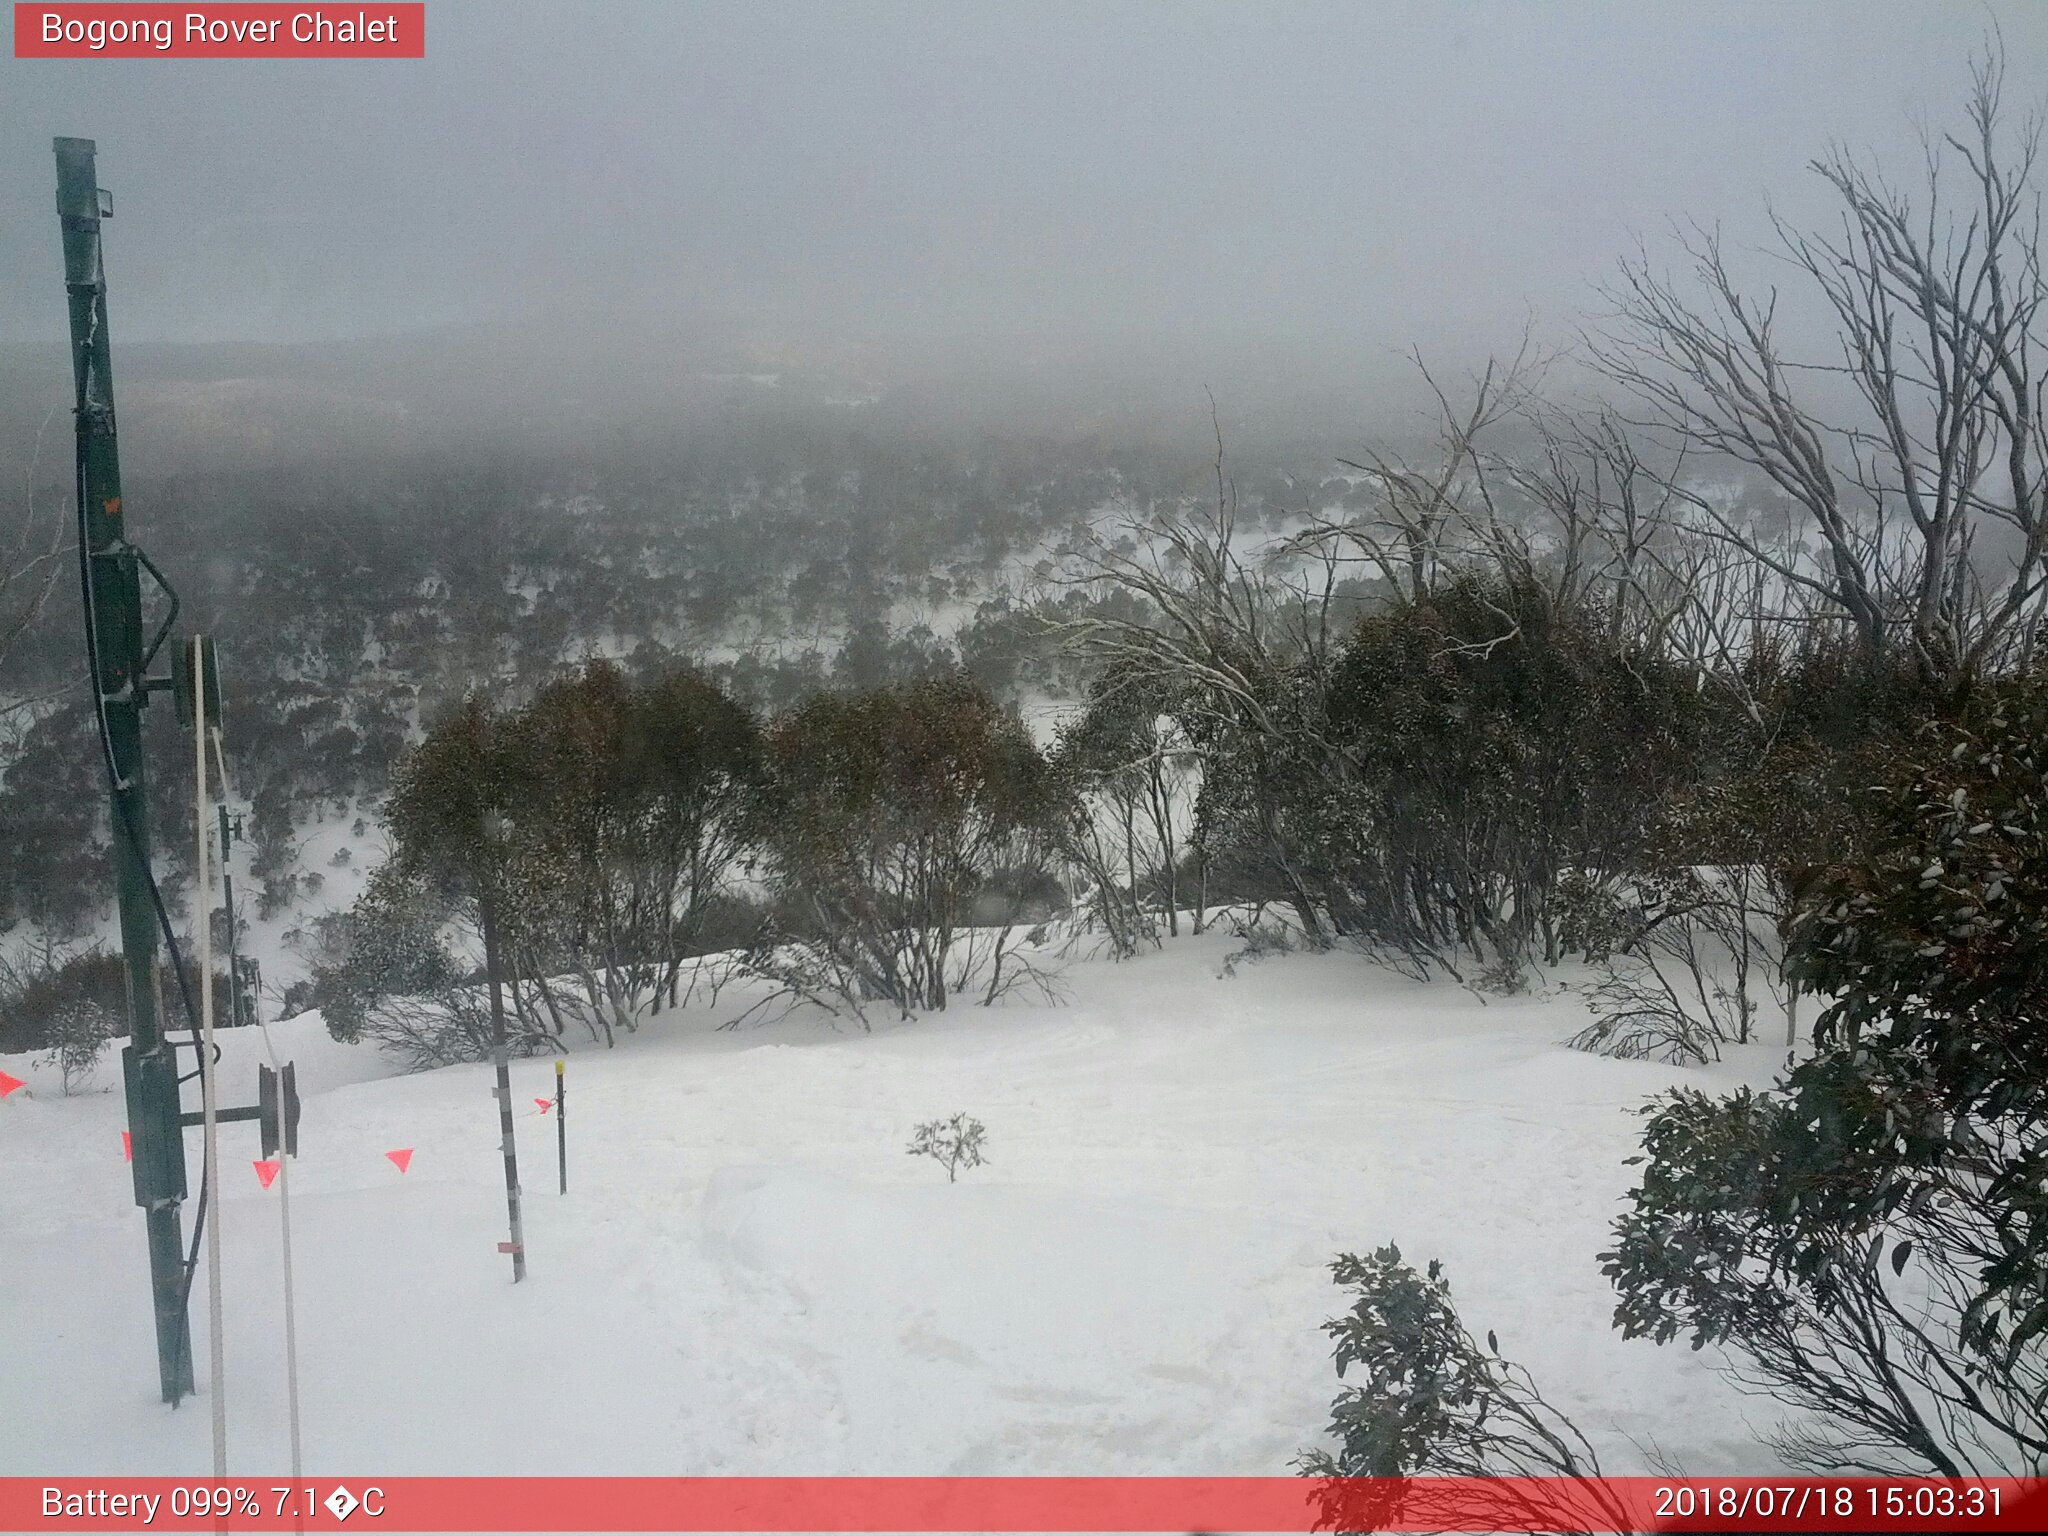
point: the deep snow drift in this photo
(750, 1276)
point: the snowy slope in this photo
(750, 1276)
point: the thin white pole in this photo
(291, 1321)
(284, 1193)
(202, 906)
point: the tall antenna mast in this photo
(110, 577)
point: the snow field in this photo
(749, 1276)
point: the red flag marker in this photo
(402, 1157)
(545, 1104)
(266, 1172)
(9, 1084)
(127, 1146)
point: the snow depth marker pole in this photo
(561, 1128)
(279, 1093)
(517, 1246)
(202, 908)
(277, 1089)
(277, 1114)
(291, 1313)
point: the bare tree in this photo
(1614, 536)
(1236, 640)
(1927, 509)
(1428, 519)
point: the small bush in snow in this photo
(79, 1033)
(955, 1143)
(1433, 1401)
(1506, 976)
(1262, 940)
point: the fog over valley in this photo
(1066, 214)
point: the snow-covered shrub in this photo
(1430, 1401)
(1504, 976)
(42, 985)
(1682, 960)
(1640, 1014)
(1133, 779)
(385, 975)
(954, 1144)
(442, 1028)
(1262, 939)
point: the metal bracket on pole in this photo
(277, 1108)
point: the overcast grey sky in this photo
(1330, 175)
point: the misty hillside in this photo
(781, 544)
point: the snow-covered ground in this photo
(750, 1276)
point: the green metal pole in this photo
(113, 596)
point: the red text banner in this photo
(1045, 1504)
(236, 31)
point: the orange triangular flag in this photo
(9, 1084)
(128, 1146)
(266, 1172)
(402, 1157)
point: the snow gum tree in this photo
(603, 819)
(625, 816)
(905, 831)
(1495, 740)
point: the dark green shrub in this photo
(1870, 1241)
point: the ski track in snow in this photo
(749, 1276)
